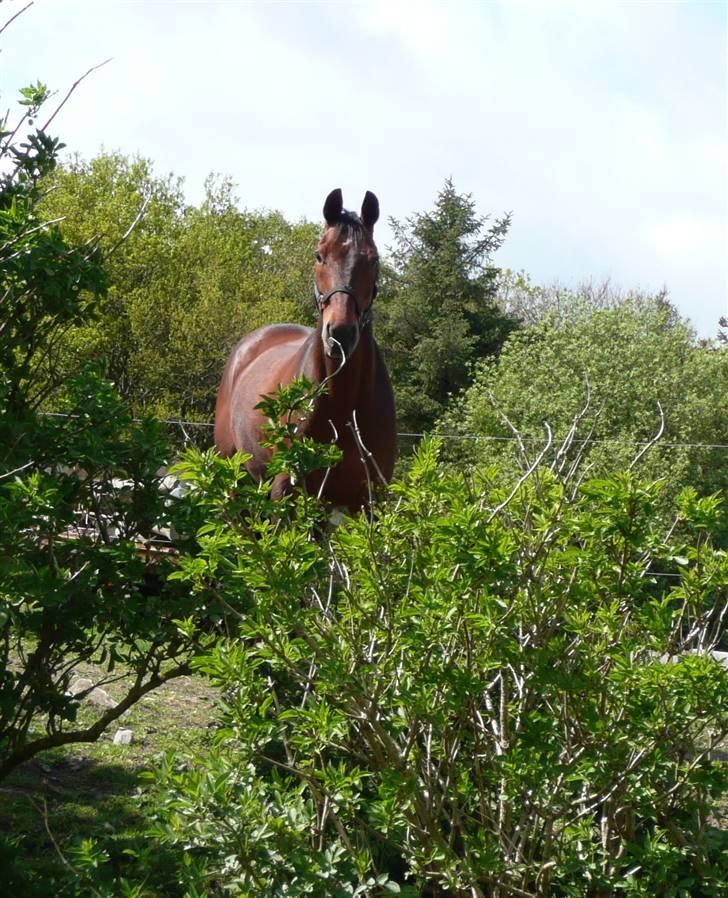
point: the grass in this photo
(91, 791)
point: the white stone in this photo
(123, 737)
(100, 698)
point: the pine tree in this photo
(441, 315)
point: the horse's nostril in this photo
(345, 334)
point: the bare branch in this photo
(72, 89)
(16, 470)
(320, 493)
(91, 733)
(654, 439)
(13, 18)
(40, 227)
(560, 459)
(360, 443)
(139, 216)
(499, 508)
(511, 426)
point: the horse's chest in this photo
(347, 483)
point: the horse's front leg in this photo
(282, 486)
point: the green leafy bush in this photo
(473, 691)
(78, 491)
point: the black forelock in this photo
(349, 226)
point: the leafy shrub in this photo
(471, 692)
(72, 588)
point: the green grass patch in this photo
(91, 791)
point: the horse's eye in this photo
(319, 258)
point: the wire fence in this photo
(184, 425)
(475, 437)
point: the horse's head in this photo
(345, 277)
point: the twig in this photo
(57, 847)
(40, 227)
(514, 429)
(16, 470)
(655, 438)
(328, 469)
(71, 90)
(140, 214)
(362, 447)
(524, 478)
(560, 459)
(13, 18)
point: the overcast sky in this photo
(602, 126)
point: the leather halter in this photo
(363, 317)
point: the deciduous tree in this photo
(624, 358)
(184, 286)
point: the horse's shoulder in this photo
(268, 337)
(264, 350)
(270, 334)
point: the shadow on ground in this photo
(50, 806)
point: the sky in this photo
(602, 126)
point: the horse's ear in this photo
(333, 206)
(370, 210)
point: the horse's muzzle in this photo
(340, 341)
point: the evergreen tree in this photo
(441, 314)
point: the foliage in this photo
(100, 202)
(531, 303)
(78, 491)
(188, 281)
(609, 361)
(184, 285)
(440, 314)
(478, 689)
(470, 692)
(47, 284)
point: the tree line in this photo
(473, 351)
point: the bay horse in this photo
(340, 351)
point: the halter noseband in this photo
(322, 300)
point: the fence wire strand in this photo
(612, 441)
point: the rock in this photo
(123, 737)
(82, 684)
(100, 698)
(337, 516)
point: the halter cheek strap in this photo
(322, 300)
